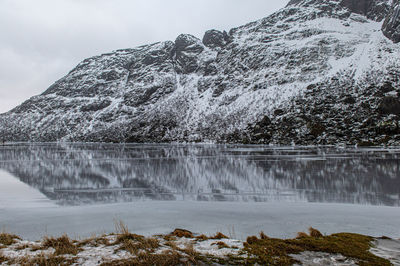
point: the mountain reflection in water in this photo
(76, 174)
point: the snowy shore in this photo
(182, 247)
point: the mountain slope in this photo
(311, 73)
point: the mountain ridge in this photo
(301, 75)
(374, 10)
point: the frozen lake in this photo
(81, 189)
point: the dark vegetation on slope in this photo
(367, 117)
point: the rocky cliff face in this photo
(314, 72)
(373, 9)
(391, 26)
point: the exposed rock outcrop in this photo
(391, 26)
(215, 38)
(187, 48)
(372, 9)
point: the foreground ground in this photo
(182, 247)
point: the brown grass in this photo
(314, 232)
(62, 245)
(188, 255)
(182, 233)
(133, 243)
(185, 233)
(43, 260)
(143, 259)
(301, 235)
(273, 251)
(221, 244)
(23, 246)
(169, 238)
(3, 258)
(36, 247)
(219, 235)
(8, 239)
(121, 228)
(202, 237)
(263, 235)
(251, 239)
(125, 235)
(135, 247)
(128, 236)
(94, 242)
(192, 254)
(172, 244)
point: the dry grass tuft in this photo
(219, 235)
(124, 235)
(138, 245)
(221, 244)
(102, 241)
(172, 244)
(62, 245)
(169, 238)
(133, 243)
(191, 253)
(121, 228)
(263, 235)
(182, 233)
(8, 239)
(152, 242)
(23, 246)
(202, 237)
(128, 237)
(45, 260)
(36, 247)
(301, 235)
(166, 258)
(2, 258)
(94, 242)
(251, 239)
(314, 232)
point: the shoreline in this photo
(278, 145)
(182, 247)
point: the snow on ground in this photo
(93, 253)
(310, 258)
(388, 249)
(106, 249)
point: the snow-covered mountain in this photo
(315, 72)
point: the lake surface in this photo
(80, 189)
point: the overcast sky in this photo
(42, 40)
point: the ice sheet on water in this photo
(76, 174)
(204, 188)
